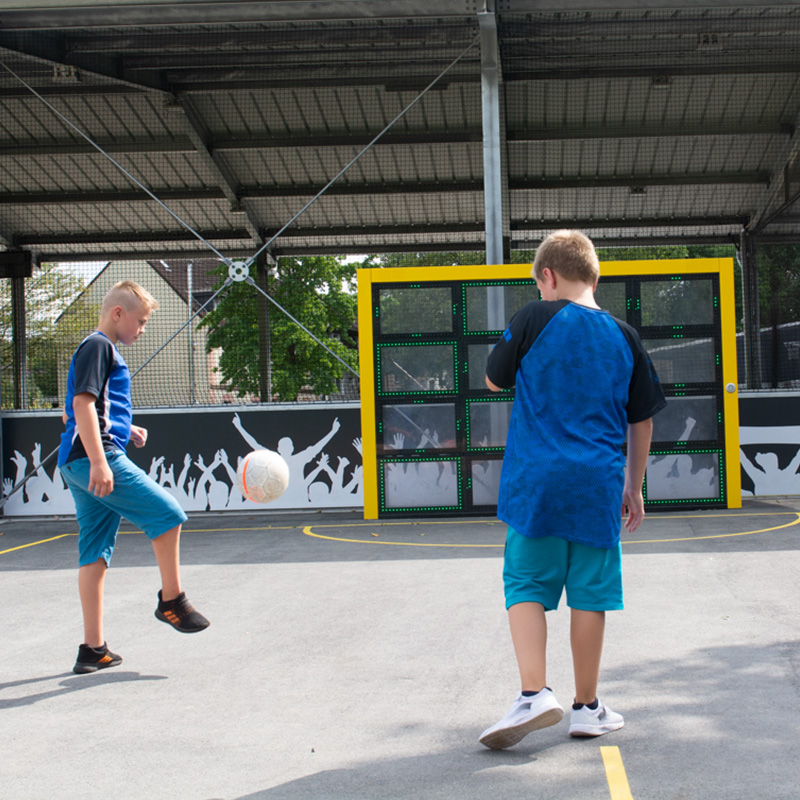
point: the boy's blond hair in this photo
(569, 253)
(130, 296)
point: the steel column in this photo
(492, 161)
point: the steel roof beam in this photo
(360, 231)
(242, 193)
(201, 138)
(48, 50)
(183, 47)
(130, 13)
(117, 196)
(546, 27)
(733, 220)
(75, 147)
(357, 190)
(126, 237)
(364, 233)
(182, 144)
(637, 181)
(665, 131)
(590, 68)
(76, 90)
(616, 240)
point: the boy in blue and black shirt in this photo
(584, 384)
(105, 484)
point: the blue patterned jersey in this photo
(581, 376)
(99, 369)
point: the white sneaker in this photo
(526, 715)
(586, 722)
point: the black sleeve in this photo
(93, 362)
(517, 339)
(645, 396)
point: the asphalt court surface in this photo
(353, 659)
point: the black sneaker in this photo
(91, 659)
(181, 615)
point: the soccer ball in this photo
(262, 476)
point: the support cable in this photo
(46, 459)
(300, 325)
(116, 163)
(361, 153)
(223, 258)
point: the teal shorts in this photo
(136, 497)
(538, 571)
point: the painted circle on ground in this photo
(308, 530)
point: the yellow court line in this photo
(718, 535)
(308, 532)
(382, 524)
(127, 533)
(656, 515)
(615, 774)
(410, 522)
(33, 544)
(226, 530)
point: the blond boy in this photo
(105, 484)
(583, 383)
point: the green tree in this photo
(49, 292)
(432, 259)
(320, 292)
(779, 283)
(642, 253)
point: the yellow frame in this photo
(727, 305)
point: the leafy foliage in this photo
(319, 292)
(50, 337)
(433, 259)
(779, 283)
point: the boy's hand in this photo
(138, 436)
(101, 479)
(633, 508)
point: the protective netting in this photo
(220, 138)
(665, 121)
(237, 348)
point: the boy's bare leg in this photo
(529, 635)
(587, 629)
(167, 549)
(91, 582)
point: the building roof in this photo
(636, 122)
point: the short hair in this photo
(569, 253)
(130, 296)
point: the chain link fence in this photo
(202, 346)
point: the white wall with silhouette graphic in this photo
(194, 456)
(769, 444)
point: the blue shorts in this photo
(135, 496)
(538, 571)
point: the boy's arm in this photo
(639, 436)
(101, 479)
(490, 385)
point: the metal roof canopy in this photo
(637, 122)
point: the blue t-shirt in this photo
(98, 368)
(581, 376)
